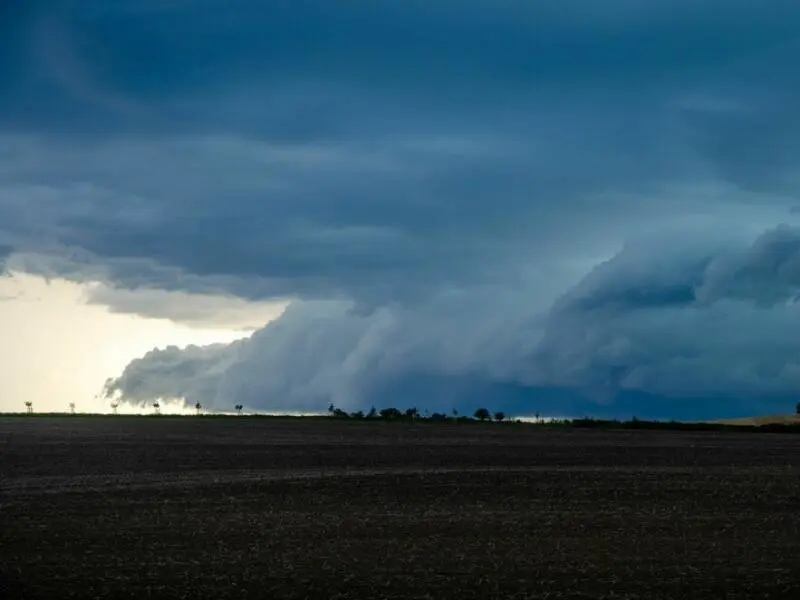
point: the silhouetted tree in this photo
(198, 408)
(455, 414)
(239, 408)
(114, 406)
(372, 413)
(331, 409)
(797, 409)
(156, 408)
(359, 414)
(390, 413)
(482, 414)
(72, 408)
(499, 416)
(29, 407)
(412, 413)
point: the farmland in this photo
(182, 507)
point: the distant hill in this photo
(761, 420)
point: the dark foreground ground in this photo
(255, 508)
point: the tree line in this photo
(413, 414)
(485, 415)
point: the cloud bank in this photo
(662, 324)
(572, 208)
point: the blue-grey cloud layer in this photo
(446, 172)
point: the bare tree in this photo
(29, 407)
(114, 406)
(156, 408)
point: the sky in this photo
(572, 208)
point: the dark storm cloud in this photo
(716, 321)
(749, 132)
(653, 332)
(315, 69)
(432, 179)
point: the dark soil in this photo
(303, 508)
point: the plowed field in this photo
(161, 507)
